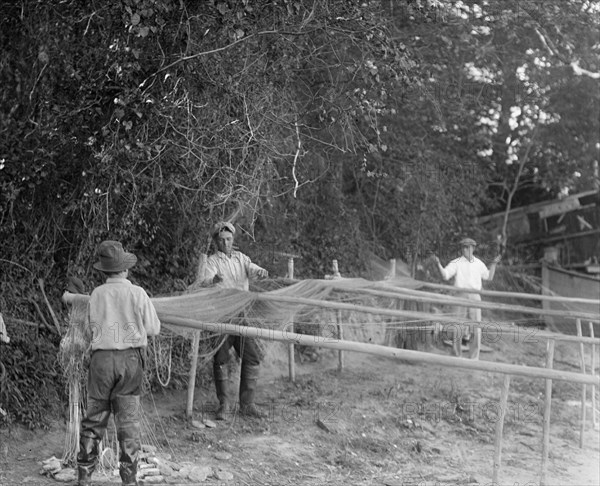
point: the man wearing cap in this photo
(468, 272)
(231, 269)
(121, 318)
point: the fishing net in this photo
(73, 354)
(353, 309)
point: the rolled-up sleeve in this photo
(252, 269)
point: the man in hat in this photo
(230, 269)
(121, 318)
(468, 272)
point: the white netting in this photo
(374, 312)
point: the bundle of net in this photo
(73, 354)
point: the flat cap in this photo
(223, 226)
(468, 242)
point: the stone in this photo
(185, 470)
(66, 475)
(222, 456)
(152, 471)
(199, 473)
(223, 475)
(165, 469)
(198, 425)
(173, 465)
(51, 465)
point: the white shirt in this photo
(235, 270)
(121, 315)
(467, 274)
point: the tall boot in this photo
(248, 381)
(93, 426)
(127, 421)
(221, 375)
(87, 459)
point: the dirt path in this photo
(379, 422)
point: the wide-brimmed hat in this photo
(468, 242)
(223, 226)
(113, 258)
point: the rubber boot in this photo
(127, 421)
(93, 427)
(128, 473)
(221, 376)
(248, 381)
(87, 459)
(84, 477)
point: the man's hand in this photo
(262, 273)
(217, 278)
(497, 259)
(436, 259)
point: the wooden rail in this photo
(432, 297)
(379, 350)
(379, 311)
(515, 295)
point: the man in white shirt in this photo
(231, 269)
(468, 272)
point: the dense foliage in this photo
(328, 129)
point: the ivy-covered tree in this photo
(328, 129)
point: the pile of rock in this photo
(153, 468)
(159, 469)
(53, 467)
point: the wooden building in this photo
(560, 241)
(570, 226)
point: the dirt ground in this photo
(376, 422)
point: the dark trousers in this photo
(246, 348)
(114, 386)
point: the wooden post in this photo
(392, 273)
(189, 410)
(499, 429)
(390, 331)
(594, 416)
(291, 359)
(336, 271)
(340, 331)
(547, 407)
(546, 291)
(583, 387)
(338, 318)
